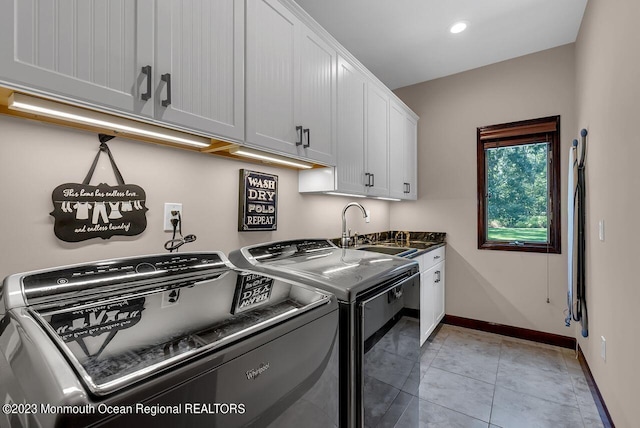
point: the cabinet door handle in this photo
(367, 179)
(167, 79)
(373, 180)
(436, 257)
(308, 132)
(146, 70)
(299, 132)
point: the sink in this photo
(394, 251)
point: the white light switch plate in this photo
(601, 230)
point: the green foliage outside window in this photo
(517, 192)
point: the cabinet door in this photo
(377, 147)
(317, 98)
(438, 293)
(352, 88)
(83, 50)
(397, 129)
(200, 45)
(271, 75)
(427, 315)
(411, 158)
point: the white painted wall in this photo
(608, 105)
(37, 157)
(497, 286)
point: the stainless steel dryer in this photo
(369, 287)
(169, 340)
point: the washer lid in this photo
(343, 272)
(120, 340)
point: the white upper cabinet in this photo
(411, 158)
(171, 61)
(199, 65)
(317, 98)
(256, 72)
(352, 90)
(402, 153)
(81, 50)
(376, 142)
(290, 84)
(377, 146)
(397, 131)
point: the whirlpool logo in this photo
(254, 373)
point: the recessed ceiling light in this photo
(458, 27)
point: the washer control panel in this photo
(121, 272)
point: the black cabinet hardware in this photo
(308, 132)
(146, 70)
(299, 131)
(167, 79)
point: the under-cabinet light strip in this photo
(268, 158)
(65, 112)
(345, 194)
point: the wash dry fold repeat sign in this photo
(258, 203)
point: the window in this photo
(519, 186)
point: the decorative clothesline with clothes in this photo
(115, 209)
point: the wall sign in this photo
(258, 203)
(251, 290)
(82, 211)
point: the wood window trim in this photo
(510, 134)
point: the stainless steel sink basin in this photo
(394, 251)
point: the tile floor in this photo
(468, 378)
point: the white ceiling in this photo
(408, 41)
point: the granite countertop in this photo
(421, 241)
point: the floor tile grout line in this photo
(462, 375)
(573, 385)
(453, 410)
(495, 385)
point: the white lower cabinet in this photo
(427, 318)
(432, 291)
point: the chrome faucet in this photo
(345, 238)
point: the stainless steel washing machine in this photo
(370, 289)
(169, 340)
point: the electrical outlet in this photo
(603, 348)
(170, 207)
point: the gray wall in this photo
(497, 286)
(608, 105)
(37, 157)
